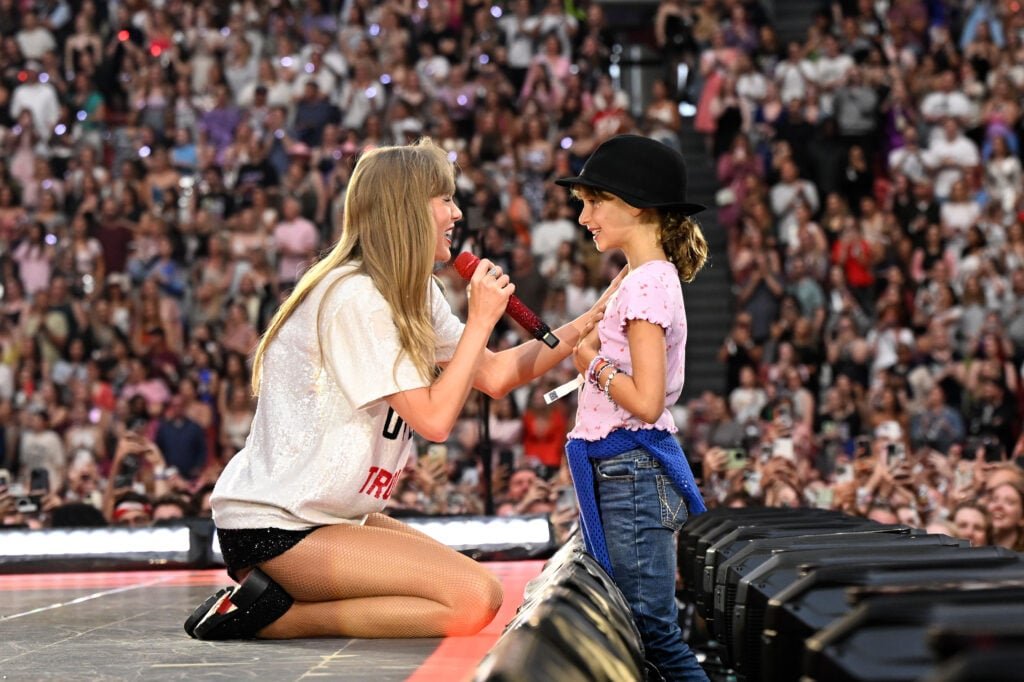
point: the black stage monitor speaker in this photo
(784, 568)
(993, 665)
(885, 639)
(773, 536)
(962, 630)
(723, 532)
(949, 637)
(695, 526)
(755, 552)
(697, 544)
(822, 596)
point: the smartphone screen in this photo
(507, 460)
(783, 447)
(566, 498)
(736, 458)
(39, 480)
(824, 498)
(126, 476)
(894, 454)
(752, 482)
(993, 451)
(964, 477)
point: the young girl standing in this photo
(632, 479)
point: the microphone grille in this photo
(465, 263)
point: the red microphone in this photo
(465, 264)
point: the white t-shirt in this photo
(911, 163)
(957, 218)
(830, 71)
(792, 78)
(782, 197)
(953, 157)
(518, 38)
(545, 238)
(939, 104)
(41, 100)
(325, 447)
(35, 44)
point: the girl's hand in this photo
(488, 293)
(587, 347)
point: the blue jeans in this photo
(641, 511)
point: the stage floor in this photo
(128, 626)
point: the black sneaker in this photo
(240, 612)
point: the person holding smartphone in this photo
(40, 447)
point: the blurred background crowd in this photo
(170, 167)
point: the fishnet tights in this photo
(382, 579)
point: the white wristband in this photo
(563, 390)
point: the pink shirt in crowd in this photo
(293, 238)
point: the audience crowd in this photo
(870, 177)
(171, 167)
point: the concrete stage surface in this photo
(128, 626)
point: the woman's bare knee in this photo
(475, 606)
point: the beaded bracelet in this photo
(601, 370)
(608, 383)
(597, 366)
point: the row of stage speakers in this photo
(574, 626)
(819, 596)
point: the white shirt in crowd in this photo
(830, 73)
(784, 197)
(949, 158)
(519, 38)
(41, 100)
(939, 104)
(35, 43)
(910, 162)
(792, 78)
(545, 238)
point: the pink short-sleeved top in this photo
(651, 292)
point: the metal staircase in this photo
(709, 304)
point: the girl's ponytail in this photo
(683, 242)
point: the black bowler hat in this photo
(642, 172)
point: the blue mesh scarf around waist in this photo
(662, 445)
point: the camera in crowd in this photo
(30, 502)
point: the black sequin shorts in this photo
(245, 547)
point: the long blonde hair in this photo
(388, 232)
